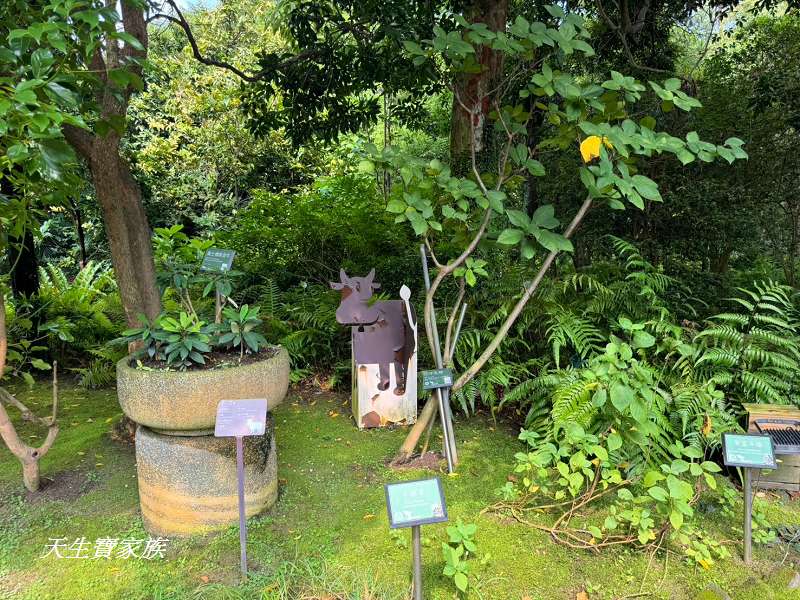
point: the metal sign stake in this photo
(412, 504)
(748, 517)
(450, 450)
(416, 545)
(237, 419)
(748, 451)
(242, 515)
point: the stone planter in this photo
(187, 485)
(185, 402)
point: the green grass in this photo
(328, 532)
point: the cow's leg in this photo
(400, 371)
(383, 370)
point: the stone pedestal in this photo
(187, 485)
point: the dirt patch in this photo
(66, 485)
(218, 360)
(14, 584)
(367, 474)
(431, 461)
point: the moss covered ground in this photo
(328, 535)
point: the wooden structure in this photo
(787, 475)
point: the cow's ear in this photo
(335, 285)
(370, 276)
(343, 276)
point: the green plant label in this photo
(412, 503)
(748, 450)
(437, 378)
(217, 260)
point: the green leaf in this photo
(535, 168)
(678, 489)
(509, 237)
(129, 40)
(55, 154)
(62, 93)
(595, 531)
(544, 216)
(366, 166)
(518, 218)
(710, 466)
(555, 242)
(600, 452)
(599, 401)
(38, 363)
(395, 205)
(469, 277)
(642, 339)
(651, 478)
(461, 581)
(658, 493)
(614, 441)
(496, 199)
(646, 187)
(676, 519)
(621, 396)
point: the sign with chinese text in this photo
(412, 503)
(437, 378)
(239, 418)
(748, 450)
(217, 260)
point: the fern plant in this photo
(753, 353)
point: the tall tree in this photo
(67, 71)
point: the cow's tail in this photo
(410, 327)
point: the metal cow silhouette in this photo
(382, 332)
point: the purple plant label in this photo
(240, 418)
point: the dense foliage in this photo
(614, 201)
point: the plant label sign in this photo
(217, 260)
(239, 418)
(748, 450)
(438, 378)
(414, 503)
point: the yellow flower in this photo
(590, 147)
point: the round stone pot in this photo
(188, 485)
(185, 402)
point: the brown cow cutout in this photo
(382, 333)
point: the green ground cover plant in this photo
(328, 534)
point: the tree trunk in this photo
(77, 216)
(24, 265)
(22, 258)
(120, 198)
(127, 228)
(476, 91)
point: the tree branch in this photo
(467, 375)
(80, 139)
(181, 22)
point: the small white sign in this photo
(240, 418)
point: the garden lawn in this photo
(328, 535)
